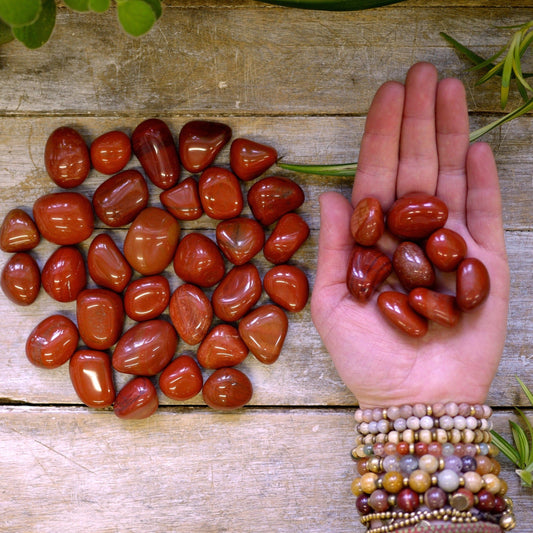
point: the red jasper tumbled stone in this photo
(472, 283)
(146, 298)
(222, 347)
(290, 233)
(120, 198)
(154, 147)
(21, 279)
(439, 307)
(395, 307)
(249, 159)
(181, 379)
(199, 143)
(367, 223)
(92, 378)
(220, 193)
(136, 400)
(240, 239)
(63, 276)
(52, 342)
(412, 266)
(445, 248)
(66, 157)
(183, 200)
(64, 217)
(226, 389)
(18, 232)
(110, 152)
(287, 286)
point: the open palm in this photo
(416, 139)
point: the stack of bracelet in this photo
(421, 463)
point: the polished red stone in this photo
(107, 266)
(154, 147)
(21, 279)
(368, 268)
(199, 143)
(183, 201)
(191, 313)
(290, 233)
(396, 309)
(146, 298)
(272, 197)
(439, 307)
(249, 159)
(367, 223)
(222, 347)
(63, 276)
(226, 389)
(52, 342)
(445, 249)
(92, 378)
(181, 379)
(110, 152)
(472, 283)
(240, 239)
(18, 232)
(412, 266)
(136, 400)
(416, 215)
(237, 293)
(146, 348)
(287, 286)
(151, 241)
(220, 193)
(64, 217)
(408, 500)
(263, 330)
(199, 261)
(100, 316)
(119, 199)
(66, 157)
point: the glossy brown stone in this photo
(199, 261)
(191, 313)
(110, 152)
(183, 200)
(445, 249)
(412, 266)
(64, 217)
(226, 389)
(18, 232)
(416, 215)
(367, 223)
(472, 283)
(220, 193)
(120, 198)
(146, 348)
(52, 342)
(199, 143)
(287, 286)
(263, 330)
(100, 316)
(151, 241)
(181, 379)
(396, 309)
(237, 293)
(136, 400)
(240, 239)
(63, 276)
(222, 347)
(146, 298)
(106, 264)
(436, 306)
(271, 198)
(249, 159)
(66, 157)
(290, 233)
(92, 378)
(154, 147)
(21, 279)
(368, 268)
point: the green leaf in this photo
(36, 34)
(19, 12)
(506, 448)
(527, 392)
(6, 34)
(333, 5)
(521, 443)
(136, 16)
(78, 5)
(464, 50)
(99, 6)
(526, 477)
(346, 169)
(529, 458)
(156, 7)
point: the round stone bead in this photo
(460, 449)
(425, 436)
(362, 466)
(379, 500)
(465, 409)
(496, 467)
(448, 449)
(486, 500)
(492, 483)
(393, 413)
(473, 481)
(390, 448)
(368, 449)
(452, 462)
(383, 426)
(406, 411)
(429, 463)
(379, 449)
(438, 410)
(452, 409)
(435, 498)
(394, 437)
(459, 422)
(393, 482)
(377, 414)
(441, 435)
(499, 504)
(421, 448)
(504, 487)
(471, 449)
(403, 448)
(391, 463)
(413, 422)
(356, 487)
(435, 448)
(400, 424)
(426, 422)
(373, 427)
(419, 481)
(367, 415)
(408, 464)
(484, 464)
(446, 422)
(469, 435)
(362, 428)
(471, 422)
(448, 480)
(408, 500)
(362, 504)
(468, 464)
(408, 436)
(369, 482)
(483, 449)
(419, 410)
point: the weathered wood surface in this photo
(302, 82)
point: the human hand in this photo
(416, 139)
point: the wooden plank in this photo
(250, 60)
(187, 470)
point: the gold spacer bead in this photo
(507, 521)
